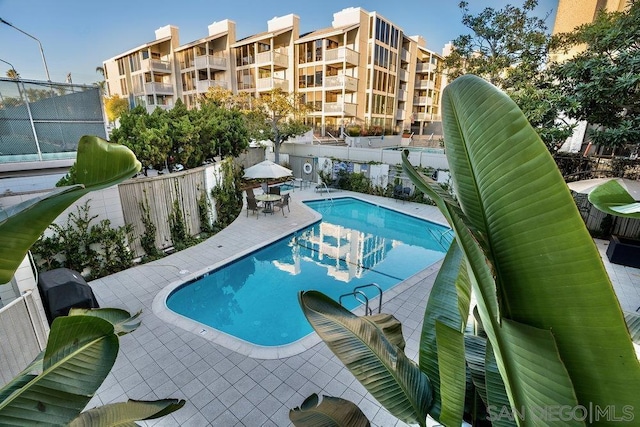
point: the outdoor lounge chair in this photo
(282, 203)
(401, 193)
(252, 205)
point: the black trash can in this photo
(63, 289)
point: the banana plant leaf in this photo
(612, 198)
(331, 412)
(124, 414)
(99, 164)
(448, 303)
(123, 322)
(633, 322)
(390, 327)
(80, 353)
(452, 372)
(394, 380)
(533, 265)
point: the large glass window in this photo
(245, 55)
(318, 50)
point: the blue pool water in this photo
(255, 298)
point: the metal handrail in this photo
(327, 188)
(357, 291)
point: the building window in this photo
(123, 87)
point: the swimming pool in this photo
(255, 297)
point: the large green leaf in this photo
(394, 380)
(633, 323)
(449, 304)
(453, 378)
(124, 414)
(390, 327)
(80, 353)
(99, 164)
(613, 199)
(123, 322)
(331, 412)
(530, 258)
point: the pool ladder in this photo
(361, 297)
(445, 236)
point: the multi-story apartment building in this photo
(361, 70)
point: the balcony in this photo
(342, 55)
(269, 83)
(340, 109)
(425, 117)
(211, 61)
(279, 60)
(403, 75)
(151, 108)
(402, 95)
(425, 67)
(338, 83)
(404, 55)
(157, 66)
(424, 84)
(400, 115)
(161, 88)
(204, 85)
(422, 100)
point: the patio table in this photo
(268, 200)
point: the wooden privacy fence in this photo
(158, 195)
(624, 227)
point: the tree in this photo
(603, 81)
(223, 130)
(509, 48)
(115, 106)
(277, 115)
(147, 135)
(543, 346)
(13, 74)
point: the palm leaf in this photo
(395, 381)
(453, 378)
(331, 412)
(80, 353)
(124, 414)
(390, 327)
(99, 164)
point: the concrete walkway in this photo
(222, 387)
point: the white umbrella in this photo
(585, 186)
(266, 170)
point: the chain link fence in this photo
(44, 121)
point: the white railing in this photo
(425, 67)
(342, 54)
(404, 55)
(277, 58)
(204, 85)
(340, 108)
(157, 65)
(23, 334)
(205, 61)
(269, 83)
(424, 84)
(423, 100)
(400, 115)
(403, 75)
(348, 83)
(402, 95)
(151, 108)
(154, 87)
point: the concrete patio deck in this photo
(223, 387)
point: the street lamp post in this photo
(44, 61)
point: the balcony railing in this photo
(269, 83)
(163, 88)
(211, 61)
(349, 84)
(423, 100)
(404, 55)
(403, 75)
(278, 59)
(400, 115)
(424, 84)
(425, 67)
(204, 85)
(343, 53)
(151, 108)
(157, 65)
(402, 95)
(340, 108)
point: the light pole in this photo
(44, 61)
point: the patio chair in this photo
(252, 205)
(250, 192)
(283, 202)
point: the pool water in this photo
(255, 298)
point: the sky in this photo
(77, 36)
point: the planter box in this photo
(624, 251)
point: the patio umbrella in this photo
(585, 186)
(266, 170)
